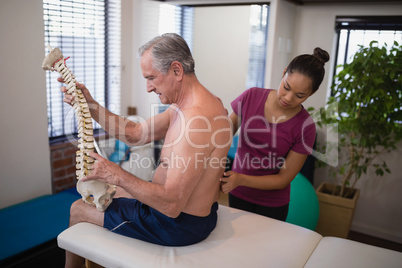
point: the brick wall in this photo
(63, 166)
(63, 163)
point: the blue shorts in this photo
(129, 217)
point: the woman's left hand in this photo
(230, 181)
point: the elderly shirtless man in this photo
(179, 207)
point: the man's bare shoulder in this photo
(211, 113)
(207, 124)
(207, 105)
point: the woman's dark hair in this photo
(311, 66)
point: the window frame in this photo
(264, 5)
(349, 23)
(110, 66)
(258, 54)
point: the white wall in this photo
(280, 41)
(217, 37)
(379, 208)
(24, 154)
(139, 24)
(220, 49)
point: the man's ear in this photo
(177, 69)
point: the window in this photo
(259, 17)
(179, 19)
(355, 31)
(88, 31)
(176, 19)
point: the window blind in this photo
(176, 19)
(361, 30)
(87, 31)
(259, 16)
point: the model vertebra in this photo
(93, 192)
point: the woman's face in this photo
(294, 89)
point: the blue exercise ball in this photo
(120, 146)
(117, 156)
(120, 152)
(233, 147)
(303, 205)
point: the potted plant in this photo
(366, 110)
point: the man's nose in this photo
(150, 88)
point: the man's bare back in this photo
(204, 159)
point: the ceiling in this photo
(301, 2)
(298, 2)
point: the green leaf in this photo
(368, 113)
(379, 172)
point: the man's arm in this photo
(121, 128)
(130, 132)
(183, 166)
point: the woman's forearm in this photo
(267, 182)
(293, 164)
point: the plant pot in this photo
(336, 213)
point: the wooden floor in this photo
(375, 241)
(355, 236)
(223, 199)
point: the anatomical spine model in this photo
(93, 192)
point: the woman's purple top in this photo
(263, 146)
